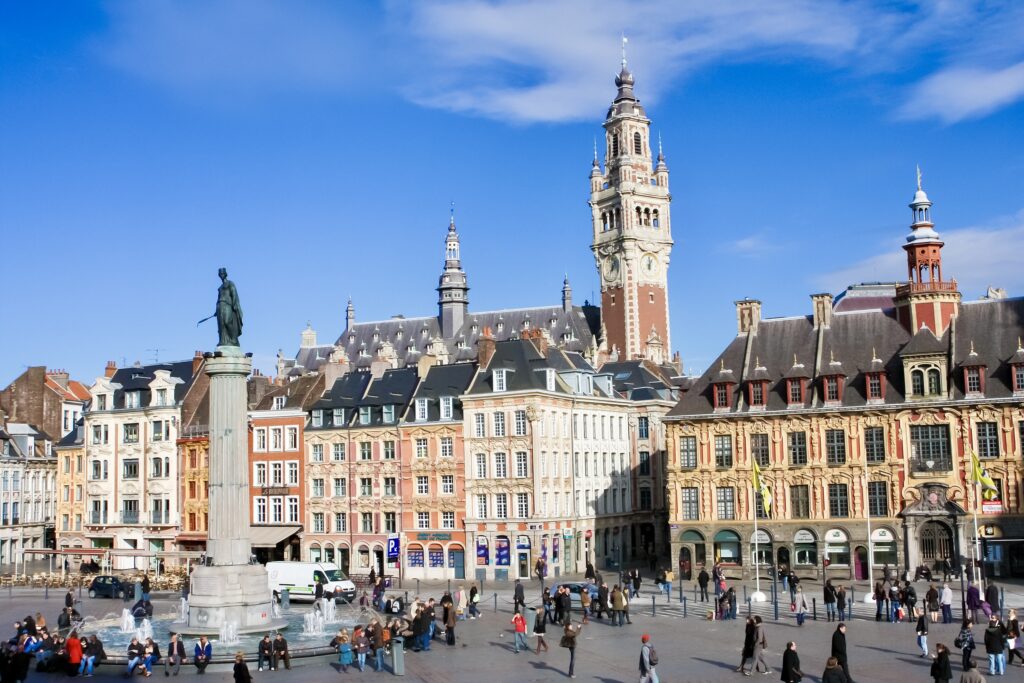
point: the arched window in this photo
(615, 144)
(917, 383)
(638, 145)
(933, 381)
(647, 217)
(639, 216)
(604, 222)
(655, 222)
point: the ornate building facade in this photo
(862, 417)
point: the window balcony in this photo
(158, 517)
(97, 517)
(130, 517)
(928, 465)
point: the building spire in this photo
(624, 41)
(919, 177)
(451, 220)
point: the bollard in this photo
(495, 602)
(1002, 599)
(681, 598)
(417, 587)
(46, 592)
(405, 603)
(750, 607)
(695, 593)
(684, 608)
(654, 608)
(776, 608)
(398, 656)
(450, 586)
(744, 593)
(814, 601)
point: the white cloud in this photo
(961, 93)
(971, 256)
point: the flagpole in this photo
(757, 574)
(871, 547)
(975, 575)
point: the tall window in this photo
(447, 449)
(875, 385)
(365, 486)
(388, 414)
(838, 500)
(479, 425)
(130, 433)
(645, 463)
(446, 407)
(929, 445)
(422, 520)
(917, 383)
(318, 522)
(501, 505)
(366, 522)
(481, 505)
(421, 448)
(338, 451)
(645, 498)
(521, 464)
(522, 505)
(835, 446)
(293, 473)
(317, 452)
(797, 448)
(688, 452)
(422, 485)
(690, 502)
(643, 427)
(831, 388)
(390, 486)
(499, 424)
(638, 147)
(447, 520)
(260, 478)
(796, 391)
(799, 501)
(973, 380)
(500, 383)
(520, 422)
(988, 440)
(340, 487)
(878, 498)
(759, 449)
(722, 395)
(723, 450)
(481, 466)
(447, 484)
(365, 450)
(874, 444)
(389, 450)
(757, 394)
(500, 465)
(292, 438)
(421, 410)
(364, 415)
(340, 523)
(725, 497)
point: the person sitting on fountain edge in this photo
(203, 653)
(265, 653)
(281, 652)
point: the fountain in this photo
(229, 634)
(330, 612)
(313, 623)
(145, 630)
(127, 621)
(183, 611)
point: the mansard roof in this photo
(639, 380)
(138, 379)
(445, 380)
(299, 393)
(856, 339)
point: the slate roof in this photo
(76, 437)
(444, 380)
(138, 379)
(855, 339)
(299, 393)
(639, 380)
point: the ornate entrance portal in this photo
(936, 543)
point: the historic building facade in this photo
(47, 399)
(862, 417)
(132, 473)
(70, 493)
(28, 475)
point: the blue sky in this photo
(313, 148)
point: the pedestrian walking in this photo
(931, 599)
(702, 582)
(941, 670)
(617, 607)
(602, 600)
(519, 632)
(794, 581)
(834, 672)
(839, 649)
(791, 672)
(648, 660)
(590, 575)
(585, 601)
(449, 627)
(829, 599)
(973, 601)
(240, 671)
(880, 601)
(636, 583)
(946, 604)
(992, 598)
(800, 606)
(760, 645)
(909, 602)
(922, 631)
(540, 627)
(569, 634)
(747, 651)
(625, 605)
(1013, 642)
(518, 596)
(965, 641)
(995, 646)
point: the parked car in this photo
(575, 588)
(107, 587)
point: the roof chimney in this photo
(61, 377)
(540, 340)
(822, 310)
(485, 347)
(748, 315)
(197, 362)
(110, 369)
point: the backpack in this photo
(652, 655)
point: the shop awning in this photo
(270, 536)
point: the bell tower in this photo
(452, 288)
(927, 300)
(632, 229)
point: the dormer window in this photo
(833, 389)
(101, 402)
(338, 417)
(132, 399)
(1018, 377)
(161, 397)
(758, 393)
(318, 418)
(795, 391)
(875, 386)
(446, 407)
(500, 376)
(500, 326)
(974, 379)
(926, 380)
(388, 414)
(421, 410)
(364, 415)
(550, 377)
(721, 396)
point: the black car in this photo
(107, 587)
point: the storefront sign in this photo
(835, 536)
(989, 507)
(434, 537)
(522, 542)
(566, 533)
(804, 536)
(589, 533)
(882, 535)
(761, 537)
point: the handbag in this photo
(958, 642)
(792, 607)
(567, 641)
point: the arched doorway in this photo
(685, 564)
(860, 567)
(935, 543)
(783, 559)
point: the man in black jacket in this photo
(702, 581)
(602, 600)
(839, 649)
(175, 655)
(281, 652)
(265, 653)
(519, 597)
(992, 597)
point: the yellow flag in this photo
(980, 476)
(761, 487)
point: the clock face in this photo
(612, 266)
(649, 264)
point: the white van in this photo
(300, 579)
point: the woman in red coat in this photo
(73, 648)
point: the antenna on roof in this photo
(156, 354)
